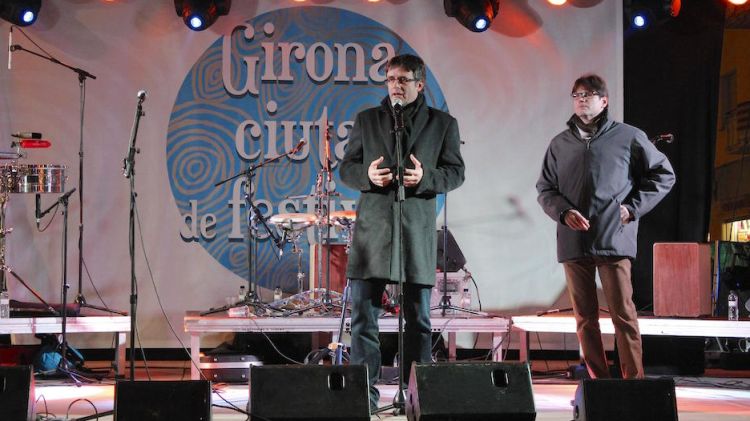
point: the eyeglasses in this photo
(584, 94)
(402, 80)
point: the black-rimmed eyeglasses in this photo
(584, 94)
(402, 80)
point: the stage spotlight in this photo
(20, 12)
(475, 15)
(640, 19)
(201, 14)
(738, 2)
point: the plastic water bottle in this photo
(241, 296)
(733, 311)
(466, 298)
(239, 311)
(4, 304)
(277, 293)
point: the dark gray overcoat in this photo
(434, 141)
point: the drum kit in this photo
(292, 226)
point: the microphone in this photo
(141, 95)
(33, 143)
(38, 209)
(10, 46)
(299, 146)
(397, 104)
(27, 135)
(398, 115)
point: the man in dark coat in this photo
(599, 177)
(432, 164)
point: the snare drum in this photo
(293, 221)
(35, 178)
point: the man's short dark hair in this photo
(408, 62)
(593, 83)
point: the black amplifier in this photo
(228, 368)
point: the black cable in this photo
(96, 411)
(54, 213)
(32, 41)
(91, 281)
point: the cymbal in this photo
(293, 221)
(305, 196)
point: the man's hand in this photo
(413, 177)
(379, 176)
(625, 215)
(576, 221)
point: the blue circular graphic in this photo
(252, 96)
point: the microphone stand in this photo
(399, 401)
(82, 76)
(252, 298)
(63, 366)
(129, 172)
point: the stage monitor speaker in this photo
(454, 259)
(682, 279)
(16, 393)
(470, 391)
(184, 400)
(625, 400)
(309, 392)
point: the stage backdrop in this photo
(250, 88)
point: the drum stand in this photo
(5, 268)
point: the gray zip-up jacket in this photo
(617, 166)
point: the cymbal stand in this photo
(252, 299)
(324, 193)
(336, 345)
(291, 235)
(336, 349)
(5, 268)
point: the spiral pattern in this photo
(204, 147)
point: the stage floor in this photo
(698, 398)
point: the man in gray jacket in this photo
(598, 178)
